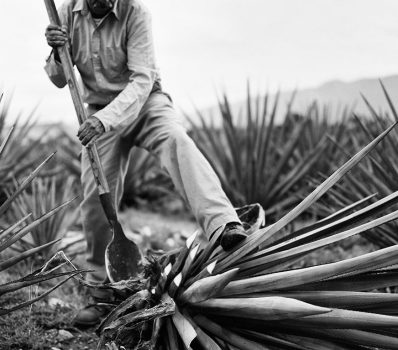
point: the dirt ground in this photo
(47, 324)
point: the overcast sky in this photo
(208, 45)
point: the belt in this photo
(155, 88)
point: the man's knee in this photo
(172, 137)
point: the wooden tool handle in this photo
(81, 112)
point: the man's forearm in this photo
(124, 109)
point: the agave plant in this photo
(376, 176)
(17, 157)
(40, 197)
(15, 232)
(258, 160)
(249, 298)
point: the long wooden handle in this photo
(81, 112)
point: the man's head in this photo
(99, 8)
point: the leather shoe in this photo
(233, 234)
(92, 314)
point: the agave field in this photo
(301, 186)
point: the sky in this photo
(205, 47)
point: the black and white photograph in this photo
(198, 175)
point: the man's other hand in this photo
(56, 36)
(90, 131)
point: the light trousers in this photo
(158, 129)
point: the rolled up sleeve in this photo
(52, 67)
(124, 109)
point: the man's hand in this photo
(90, 131)
(56, 36)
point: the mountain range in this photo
(336, 95)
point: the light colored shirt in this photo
(115, 59)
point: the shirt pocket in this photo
(115, 64)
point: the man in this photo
(111, 45)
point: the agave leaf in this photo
(227, 335)
(184, 328)
(7, 139)
(353, 336)
(288, 279)
(206, 272)
(286, 154)
(24, 184)
(394, 112)
(172, 336)
(361, 282)
(206, 341)
(289, 342)
(266, 308)
(10, 229)
(298, 248)
(262, 236)
(181, 258)
(208, 287)
(32, 280)
(34, 300)
(342, 299)
(25, 230)
(338, 215)
(24, 255)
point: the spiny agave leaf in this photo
(10, 229)
(34, 300)
(25, 230)
(296, 341)
(186, 269)
(286, 154)
(361, 282)
(387, 164)
(394, 112)
(23, 185)
(206, 341)
(206, 272)
(32, 280)
(24, 255)
(262, 263)
(227, 335)
(184, 328)
(177, 266)
(288, 279)
(298, 172)
(342, 299)
(208, 287)
(264, 146)
(7, 138)
(349, 319)
(172, 335)
(262, 236)
(266, 308)
(333, 226)
(340, 214)
(353, 336)
(281, 342)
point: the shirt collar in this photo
(81, 5)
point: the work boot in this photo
(92, 314)
(233, 234)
